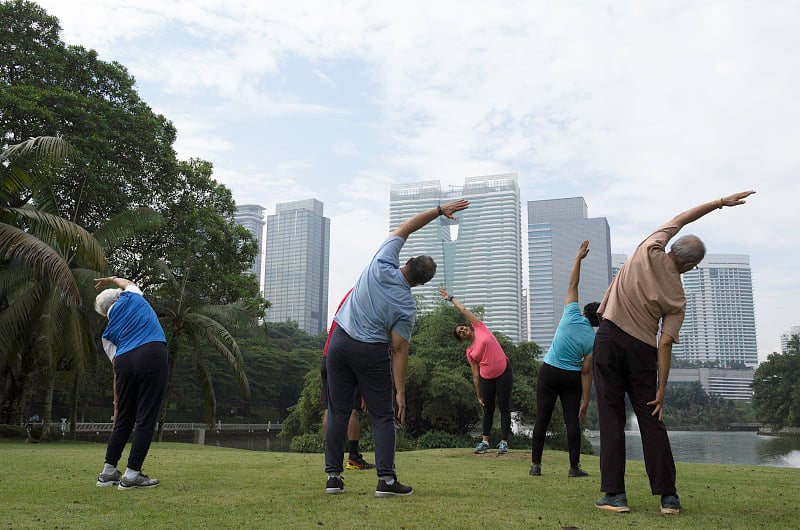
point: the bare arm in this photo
(399, 369)
(109, 281)
(409, 226)
(476, 381)
(575, 275)
(664, 360)
(692, 215)
(586, 386)
(458, 305)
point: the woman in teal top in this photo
(566, 373)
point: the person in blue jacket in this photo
(137, 348)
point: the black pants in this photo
(142, 376)
(352, 366)
(623, 364)
(497, 390)
(556, 383)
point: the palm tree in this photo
(47, 264)
(190, 325)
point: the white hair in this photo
(104, 300)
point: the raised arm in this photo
(693, 214)
(458, 305)
(112, 281)
(409, 226)
(575, 275)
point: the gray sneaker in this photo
(536, 470)
(111, 479)
(670, 504)
(613, 502)
(141, 481)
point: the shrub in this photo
(441, 439)
(308, 443)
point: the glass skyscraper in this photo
(720, 320)
(296, 265)
(479, 257)
(251, 216)
(556, 228)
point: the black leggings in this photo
(142, 375)
(564, 384)
(498, 388)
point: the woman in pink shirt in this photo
(491, 374)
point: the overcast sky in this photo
(644, 108)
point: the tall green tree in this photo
(776, 388)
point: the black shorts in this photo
(323, 398)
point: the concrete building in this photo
(556, 227)
(786, 337)
(720, 316)
(479, 258)
(296, 265)
(251, 216)
(729, 384)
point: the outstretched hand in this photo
(583, 250)
(102, 283)
(444, 293)
(454, 206)
(736, 198)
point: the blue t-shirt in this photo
(132, 322)
(381, 300)
(574, 340)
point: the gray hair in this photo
(688, 249)
(104, 300)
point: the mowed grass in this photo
(53, 486)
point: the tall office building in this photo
(720, 320)
(617, 261)
(556, 228)
(786, 337)
(251, 216)
(479, 257)
(296, 270)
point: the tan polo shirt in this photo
(646, 291)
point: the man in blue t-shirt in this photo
(368, 350)
(136, 346)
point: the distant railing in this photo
(183, 427)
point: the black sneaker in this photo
(577, 472)
(617, 502)
(334, 485)
(141, 481)
(396, 489)
(358, 462)
(112, 479)
(670, 504)
(536, 470)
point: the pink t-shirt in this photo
(487, 352)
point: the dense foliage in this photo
(776, 388)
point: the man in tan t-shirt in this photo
(630, 355)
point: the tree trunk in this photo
(73, 413)
(48, 406)
(173, 355)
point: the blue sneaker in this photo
(502, 448)
(670, 504)
(481, 448)
(614, 503)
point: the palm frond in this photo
(47, 148)
(236, 313)
(16, 244)
(224, 343)
(14, 279)
(50, 227)
(119, 228)
(19, 320)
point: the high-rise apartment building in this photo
(556, 228)
(786, 337)
(479, 257)
(251, 217)
(720, 323)
(296, 265)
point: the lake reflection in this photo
(713, 447)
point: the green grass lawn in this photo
(53, 486)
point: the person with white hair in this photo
(137, 348)
(641, 315)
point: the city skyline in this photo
(340, 100)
